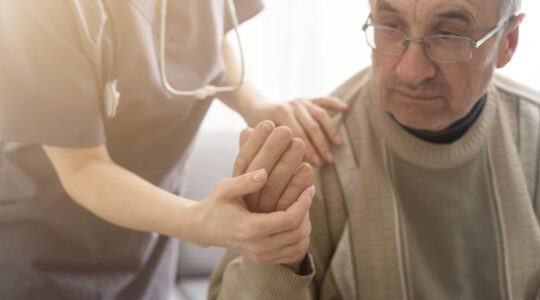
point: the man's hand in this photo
(275, 150)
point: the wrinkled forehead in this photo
(472, 12)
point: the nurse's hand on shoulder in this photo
(271, 238)
(308, 120)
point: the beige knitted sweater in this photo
(399, 218)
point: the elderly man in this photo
(433, 195)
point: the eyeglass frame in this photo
(474, 44)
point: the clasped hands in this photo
(262, 212)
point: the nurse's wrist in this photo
(189, 223)
(248, 102)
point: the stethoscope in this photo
(112, 96)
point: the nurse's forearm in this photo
(120, 197)
(124, 199)
(246, 98)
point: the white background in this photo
(308, 47)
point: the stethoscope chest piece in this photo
(111, 99)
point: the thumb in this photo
(242, 185)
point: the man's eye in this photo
(391, 25)
(447, 33)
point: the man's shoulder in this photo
(515, 91)
(349, 89)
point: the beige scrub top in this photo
(55, 57)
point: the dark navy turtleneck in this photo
(454, 131)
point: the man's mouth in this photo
(418, 96)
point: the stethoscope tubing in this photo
(111, 94)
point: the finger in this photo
(252, 146)
(323, 118)
(314, 131)
(298, 131)
(269, 154)
(274, 147)
(231, 188)
(275, 222)
(296, 185)
(280, 175)
(331, 103)
(244, 136)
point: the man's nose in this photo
(414, 66)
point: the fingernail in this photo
(282, 133)
(296, 145)
(304, 168)
(267, 127)
(338, 140)
(312, 191)
(259, 176)
(329, 157)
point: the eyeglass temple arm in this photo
(488, 35)
(366, 23)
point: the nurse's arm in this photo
(117, 195)
(122, 198)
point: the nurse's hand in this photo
(308, 120)
(268, 238)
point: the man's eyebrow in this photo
(385, 6)
(457, 14)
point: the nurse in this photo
(90, 183)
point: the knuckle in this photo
(296, 182)
(248, 234)
(240, 162)
(290, 222)
(269, 149)
(271, 190)
(318, 112)
(312, 126)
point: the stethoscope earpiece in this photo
(112, 98)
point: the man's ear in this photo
(510, 41)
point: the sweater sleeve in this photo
(239, 278)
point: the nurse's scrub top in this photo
(55, 58)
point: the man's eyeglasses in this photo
(439, 48)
